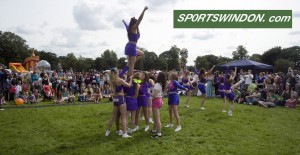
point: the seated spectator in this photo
(65, 94)
(31, 98)
(271, 100)
(286, 94)
(22, 96)
(59, 98)
(81, 95)
(88, 88)
(36, 94)
(291, 103)
(253, 98)
(97, 95)
(89, 96)
(71, 97)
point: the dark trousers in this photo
(11, 96)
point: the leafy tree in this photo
(13, 48)
(270, 56)
(84, 64)
(122, 62)
(171, 57)
(149, 60)
(223, 60)
(98, 63)
(109, 58)
(240, 53)
(201, 62)
(212, 60)
(281, 65)
(255, 57)
(70, 61)
(292, 54)
(160, 64)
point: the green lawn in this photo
(80, 130)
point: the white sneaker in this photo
(107, 133)
(129, 131)
(120, 132)
(136, 128)
(178, 128)
(169, 125)
(202, 108)
(229, 113)
(146, 127)
(1, 109)
(142, 118)
(186, 106)
(151, 121)
(125, 136)
(224, 111)
(133, 130)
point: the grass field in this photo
(79, 129)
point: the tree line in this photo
(13, 48)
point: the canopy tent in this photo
(246, 64)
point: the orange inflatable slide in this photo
(17, 67)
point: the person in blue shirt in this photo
(173, 100)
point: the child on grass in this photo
(71, 97)
(31, 98)
(291, 103)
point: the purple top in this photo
(131, 36)
(260, 80)
(119, 89)
(130, 91)
(143, 89)
(227, 86)
(174, 85)
(185, 80)
(221, 87)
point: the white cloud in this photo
(294, 33)
(206, 35)
(89, 16)
(66, 37)
(296, 14)
(27, 30)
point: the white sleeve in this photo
(156, 86)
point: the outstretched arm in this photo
(226, 73)
(135, 26)
(212, 69)
(235, 69)
(176, 84)
(195, 70)
(125, 24)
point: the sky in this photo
(89, 27)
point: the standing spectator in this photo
(248, 79)
(242, 78)
(1, 86)
(12, 91)
(18, 89)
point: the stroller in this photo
(48, 92)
